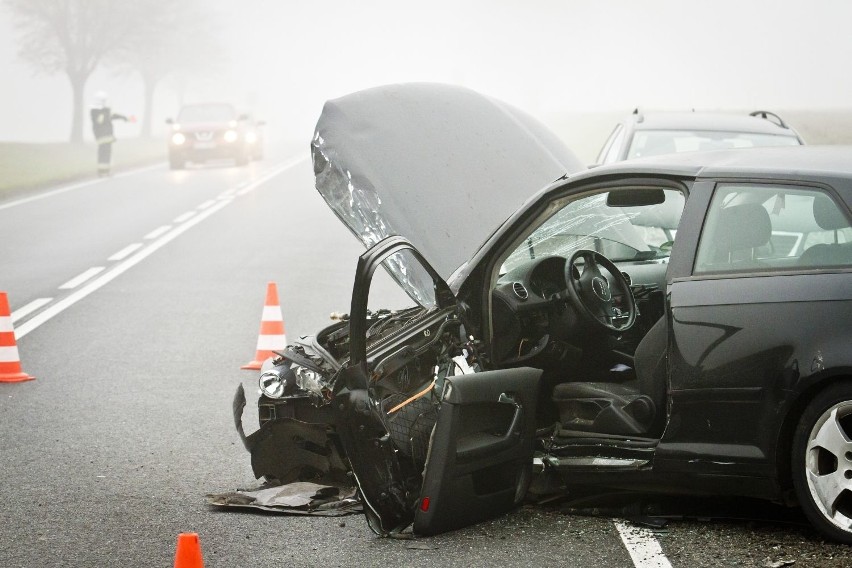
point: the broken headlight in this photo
(309, 380)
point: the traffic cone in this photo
(10, 361)
(272, 336)
(188, 552)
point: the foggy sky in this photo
(545, 56)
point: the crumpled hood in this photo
(440, 165)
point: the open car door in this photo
(454, 448)
(480, 460)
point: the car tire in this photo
(242, 159)
(822, 462)
(176, 163)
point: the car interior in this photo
(561, 303)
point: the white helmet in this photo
(101, 98)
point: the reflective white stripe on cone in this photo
(272, 336)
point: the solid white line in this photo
(72, 187)
(642, 546)
(125, 252)
(119, 269)
(184, 217)
(125, 265)
(158, 231)
(29, 308)
(206, 204)
(77, 280)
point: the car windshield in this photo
(206, 113)
(644, 232)
(655, 142)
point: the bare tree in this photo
(74, 37)
(178, 39)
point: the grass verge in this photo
(26, 166)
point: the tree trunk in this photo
(78, 84)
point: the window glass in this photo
(655, 142)
(640, 233)
(612, 148)
(773, 227)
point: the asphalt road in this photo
(109, 453)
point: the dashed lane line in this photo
(184, 217)
(642, 545)
(33, 306)
(119, 269)
(125, 252)
(87, 275)
(157, 232)
(164, 235)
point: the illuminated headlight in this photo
(251, 137)
(176, 127)
(178, 138)
(230, 136)
(272, 384)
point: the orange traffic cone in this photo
(188, 552)
(10, 362)
(272, 336)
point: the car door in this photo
(478, 452)
(757, 311)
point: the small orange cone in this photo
(10, 361)
(188, 552)
(272, 336)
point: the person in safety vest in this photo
(102, 117)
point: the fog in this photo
(284, 59)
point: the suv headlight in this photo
(178, 138)
(231, 136)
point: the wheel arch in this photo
(784, 442)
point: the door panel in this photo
(481, 451)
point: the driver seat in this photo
(634, 408)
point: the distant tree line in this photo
(155, 38)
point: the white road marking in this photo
(184, 217)
(158, 231)
(642, 546)
(73, 186)
(24, 311)
(206, 204)
(119, 269)
(126, 251)
(77, 280)
(125, 265)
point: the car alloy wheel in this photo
(822, 462)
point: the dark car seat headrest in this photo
(743, 226)
(827, 215)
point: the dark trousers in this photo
(104, 157)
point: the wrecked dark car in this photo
(677, 325)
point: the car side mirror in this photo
(242, 117)
(261, 123)
(169, 121)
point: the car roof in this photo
(709, 121)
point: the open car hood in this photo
(440, 165)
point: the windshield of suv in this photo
(207, 113)
(643, 232)
(655, 142)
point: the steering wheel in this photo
(591, 293)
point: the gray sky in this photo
(545, 56)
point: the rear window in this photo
(773, 227)
(655, 142)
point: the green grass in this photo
(26, 166)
